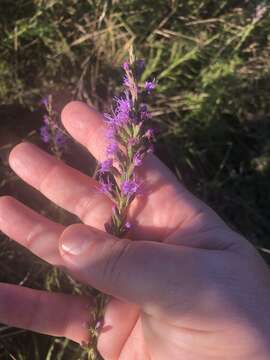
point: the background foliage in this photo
(212, 109)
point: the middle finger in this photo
(65, 186)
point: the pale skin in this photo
(183, 284)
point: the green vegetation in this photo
(212, 108)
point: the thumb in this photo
(143, 272)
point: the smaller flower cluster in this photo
(129, 141)
(50, 132)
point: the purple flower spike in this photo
(111, 149)
(149, 86)
(105, 166)
(45, 134)
(50, 132)
(129, 141)
(130, 187)
(106, 187)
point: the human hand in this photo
(189, 288)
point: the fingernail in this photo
(75, 245)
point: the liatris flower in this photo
(50, 132)
(111, 149)
(149, 86)
(45, 134)
(130, 140)
(106, 187)
(129, 187)
(106, 166)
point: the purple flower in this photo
(149, 86)
(128, 225)
(45, 134)
(105, 166)
(149, 134)
(137, 160)
(111, 149)
(125, 66)
(60, 138)
(122, 111)
(123, 105)
(144, 114)
(130, 187)
(114, 121)
(46, 119)
(106, 187)
(110, 133)
(45, 101)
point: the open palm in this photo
(182, 290)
